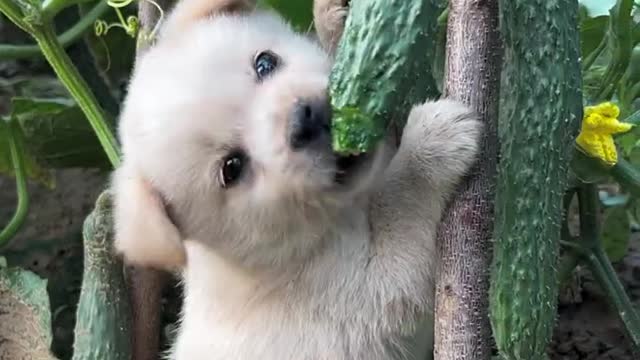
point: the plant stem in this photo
(606, 93)
(588, 204)
(14, 52)
(606, 276)
(634, 92)
(73, 81)
(570, 261)
(69, 75)
(51, 8)
(599, 262)
(13, 12)
(620, 32)
(591, 58)
(17, 150)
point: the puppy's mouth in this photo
(348, 166)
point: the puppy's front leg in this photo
(439, 145)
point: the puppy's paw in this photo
(445, 136)
(329, 17)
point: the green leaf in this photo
(634, 66)
(22, 106)
(616, 231)
(33, 86)
(592, 81)
(20, 88)
(58, 134)
(620, 42)
(25, 316)
(628, 143)
(634, 153)
(592, 31)
(633, 118)
(33, 168)
(298, 12)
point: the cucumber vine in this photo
(37, 20)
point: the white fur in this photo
(286, 264)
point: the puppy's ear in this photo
(329, 17)
(187, 12)
(144, 235)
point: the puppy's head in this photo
(228, 120)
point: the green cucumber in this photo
(541, 111)
(382, 67)
(103, 317)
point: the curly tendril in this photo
(131, 25)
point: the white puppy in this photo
(287, 251)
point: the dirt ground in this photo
(587, 328)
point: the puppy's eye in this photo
(265, 63)
(232, 168)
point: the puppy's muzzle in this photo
(309, 123)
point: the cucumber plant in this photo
(609, 44)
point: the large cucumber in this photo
(103, 317)
(382, 65)
(540, 116)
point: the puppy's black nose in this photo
(310, 121)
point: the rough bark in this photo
(540, 116)
(146, 285)
(462, 329)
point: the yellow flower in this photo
(599, 124)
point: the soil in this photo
(587, 328)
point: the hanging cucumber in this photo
(382, 67)
(540, 116)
